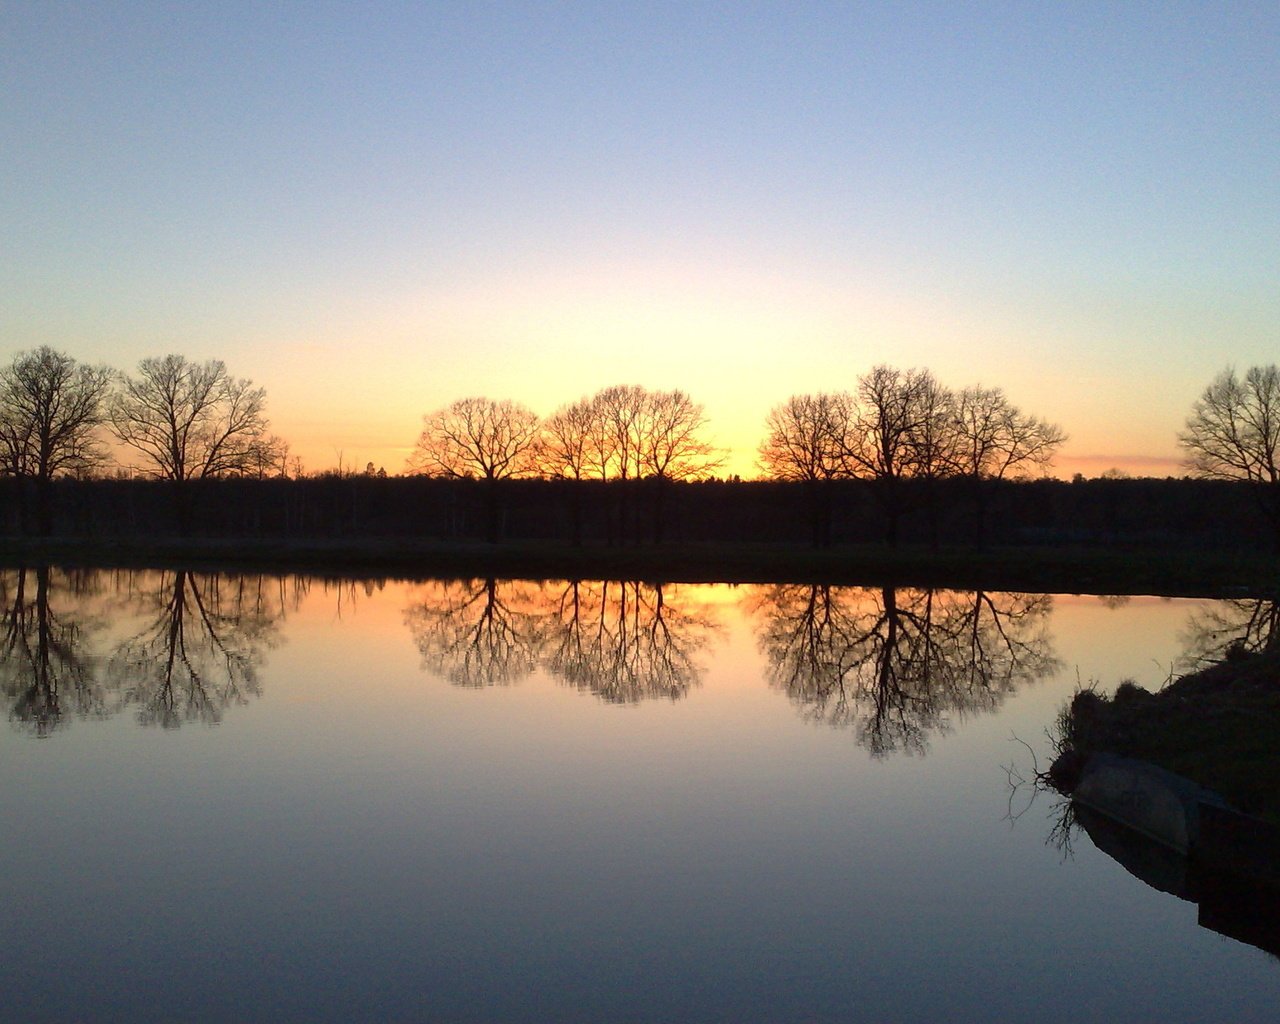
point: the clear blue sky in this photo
(374, 209)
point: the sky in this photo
(374, 209)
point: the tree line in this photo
(622, 433)
(896, 425)
(902, 433)
(182, 420)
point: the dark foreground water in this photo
(246, 798)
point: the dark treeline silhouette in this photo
(901, 426)
(622, 434)
(900, 457)
(1158, 513)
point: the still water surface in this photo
(251, 798)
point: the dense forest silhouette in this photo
(1103, 513)
(180, 449)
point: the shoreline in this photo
(1040, 569)
(1214, 726)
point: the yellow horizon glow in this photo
(738, 339)
(321, 456)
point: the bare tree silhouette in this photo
(50, 409)
(565, 452)
(189, 421)
(617, 440)
(619, 411)
(893, 424)
(1233, 433)
(672, 447)
(931, 445)
(478, 438)
(994, 439)
(900, 424)
(805, 440)
(627, 433)
(481, 439)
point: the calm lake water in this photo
(252, 798)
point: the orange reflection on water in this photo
(896, 664)
(622, 641)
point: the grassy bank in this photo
(1217, 727)
(1055, 569)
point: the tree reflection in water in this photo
(895, 664)
(623, 642)
(204, 639)
(475, 632)
(1218, 631)
(45, 670)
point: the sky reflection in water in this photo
(475, 800)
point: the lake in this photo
(242, 797)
